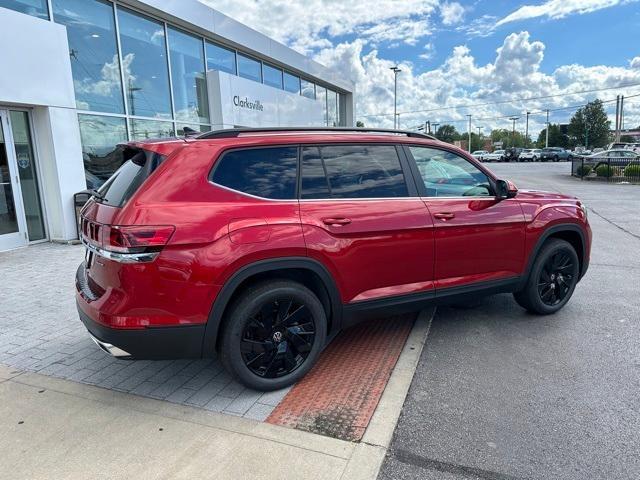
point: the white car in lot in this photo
(497, 156)
(529, 155)
(479, 155)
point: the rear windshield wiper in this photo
(96, 193)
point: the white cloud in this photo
(635, 63)
(429, 51)
(452, 13)
(555, 9)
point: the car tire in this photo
(534, 159)
(555, 158)
(552, 280)
(273, 334)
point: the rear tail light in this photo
(136, 239)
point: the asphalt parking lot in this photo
(501, 394)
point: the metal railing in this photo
(610, 170)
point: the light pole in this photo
(469, 146)
(435, 126)
(546, 142)
(513, 132)
(526, 131)
(396, 71)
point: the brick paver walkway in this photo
(40, 331)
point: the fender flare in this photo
(263, 266)
(562, 227)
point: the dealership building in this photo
(80, 76)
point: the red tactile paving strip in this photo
(339, 395)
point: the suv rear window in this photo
(262, 172)
(352, 171)
(138, 165)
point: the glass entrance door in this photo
(21, 219)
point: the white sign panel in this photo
(238, 102)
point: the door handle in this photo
(444, 215)
(336, 221)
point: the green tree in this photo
(507, 137)
(360, 124)
(590, 125)
(477, 142)
(556, 137)
(447, 133)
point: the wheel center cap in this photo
(277, 337)
(553, 277)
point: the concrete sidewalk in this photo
(55, 428)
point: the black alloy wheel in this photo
(278, 338)
(552, 279)
(556, 278)
(272, 334)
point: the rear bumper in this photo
(147, 343)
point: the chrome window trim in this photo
(121, 257)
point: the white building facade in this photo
(80, 76)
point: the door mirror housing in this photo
(505, 189)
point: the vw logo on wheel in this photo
(277, 337)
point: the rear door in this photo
(362, 217)
(478, 238)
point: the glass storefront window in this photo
(321, 96)
(197, 128)
(308, 89)
(94, 55)
(272, 76)
(188, 77)
(249, 68)
(145, 129)
(342, 110)
(144, 60)
(291, 83)
(332, 108)
(220, 58)
(28, 176)
(36, 8)
(99, 136)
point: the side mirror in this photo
(505, 189)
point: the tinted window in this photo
(144, 59)
(220, 58)
(291, 83)
(446, 174)
(249, 68)
(272, 76)
(95, 66)
(37, 8)
(263, 172)
(138, 165)
(188, 76)
(352, 171)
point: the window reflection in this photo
(249, 68)
(144, 60)
(272, 76)
(27, 172)
(99, 136)
(220, 58)
(36, 8)
(146, 129)
(332, 108)
(94, 56)
(291, 83)
(321, 96)
(188, 76)
(198, 128)
(308, 89)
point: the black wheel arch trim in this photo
(563, 227)
(210, 338)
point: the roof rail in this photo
(235, 132)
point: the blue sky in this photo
(459, 53)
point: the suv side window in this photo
(352, 171)
(446, 174)
(263, 172)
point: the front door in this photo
(479, 239)
(21, 218)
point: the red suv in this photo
(260, 245)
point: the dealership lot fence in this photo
(612, 170)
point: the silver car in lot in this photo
(530, 155)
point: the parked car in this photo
(497, 156)
(598, 150)
(555, 154)
(530, 155)
(624, 146)
(479, 155)
(259, 245)
(617, 154)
